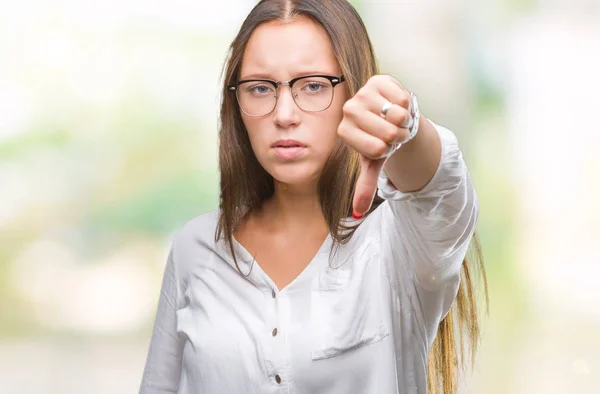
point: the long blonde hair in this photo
(238, 164)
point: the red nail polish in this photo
(356, 215)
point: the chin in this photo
(295, 175)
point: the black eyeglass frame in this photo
(335, 80)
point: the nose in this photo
(286, 110)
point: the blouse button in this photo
(274, 331)
(277, 379)
(273, 294)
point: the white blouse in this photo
(362, 323)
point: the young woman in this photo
(335, 256)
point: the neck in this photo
(294, 208)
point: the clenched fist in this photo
(372, 134)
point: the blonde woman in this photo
(344, 220)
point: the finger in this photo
(391, 90)
(399, 116)
(364, 143)
(366, 186)
(389, 129)
(374, 100)
(394, 80)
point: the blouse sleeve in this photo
(428, 231)
(162, 371)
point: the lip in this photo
(289, 153)
(288, 149)
(287, 144)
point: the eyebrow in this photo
(296, 75)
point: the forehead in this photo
(285, 49)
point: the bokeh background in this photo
(108, 143)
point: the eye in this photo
(314, 87)
(259, 89)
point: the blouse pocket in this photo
(346, 304)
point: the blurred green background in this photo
(108, 143)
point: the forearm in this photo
(433, 225)
(412, 166)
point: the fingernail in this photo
(356, 215)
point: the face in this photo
(281, 51)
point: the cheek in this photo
(323, 128)
(334, 124)
(333, 119)
(336, 113)
(252, 128)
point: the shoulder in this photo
(198, 226)
(195, 237)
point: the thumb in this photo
(366, 185)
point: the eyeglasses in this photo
(311, 93)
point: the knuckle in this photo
(350, 107)
(402, 118)
(362, 94)
(342, 130)
(379, 78)
(375, 80)
(378, 149)
(347, 107)
(391, 80)
(391, 135)
(405, 100)
(394, 81)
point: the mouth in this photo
(288, 149)
(288, 144)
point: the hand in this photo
(366, 131)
